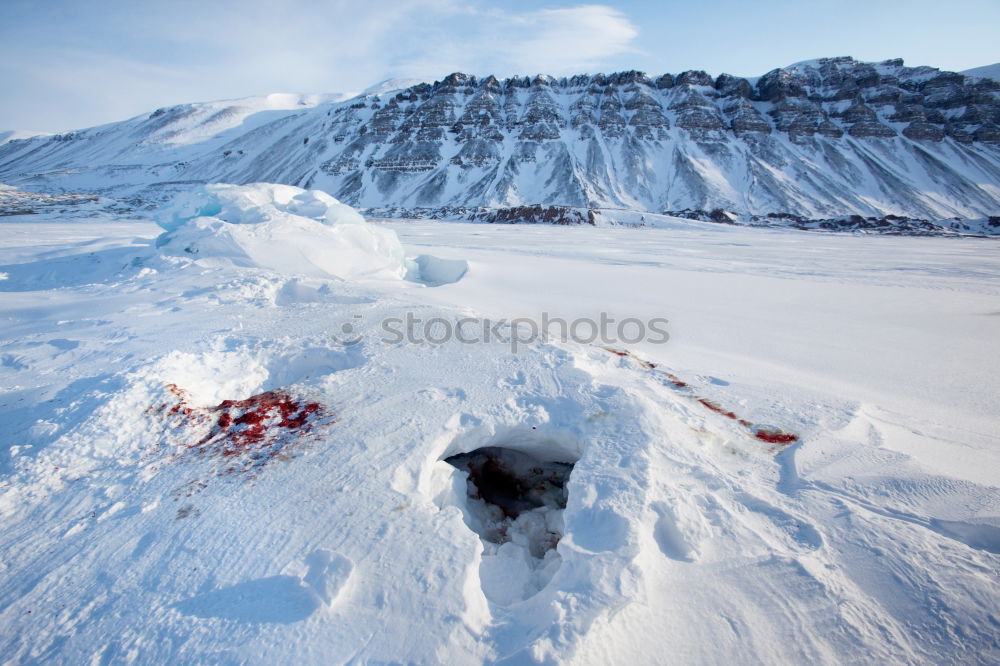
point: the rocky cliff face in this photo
(821, 139)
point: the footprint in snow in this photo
(668, 537)
(327, 575)
(280, 599)
(63, 345)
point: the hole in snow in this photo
(515, 503)
(434, 271)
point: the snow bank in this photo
(280, 228)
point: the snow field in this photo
(169, 492)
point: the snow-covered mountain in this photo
(986, 71)
(817, 139)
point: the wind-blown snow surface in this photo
(142, 519)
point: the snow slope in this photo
(12, 135)
(820, 139)
(157, 144)
(986, 71)
(207, 462)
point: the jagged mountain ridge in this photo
(818, 139)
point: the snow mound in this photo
(281, 228)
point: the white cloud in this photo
(552, 41)
(571, 40)
(134, 57)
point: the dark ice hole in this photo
(515, 502)
(513, 481)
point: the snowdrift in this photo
(280, 228)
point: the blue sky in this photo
(68, 64)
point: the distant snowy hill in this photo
(988, 71)
(819, 139)
(394, 85)
(11, 135)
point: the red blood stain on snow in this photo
(777, 437)
(675, 380)
(244, 425)
(182, 406)
(624, 353)
(254, 431)
(717, 409)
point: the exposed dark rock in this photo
(536, 214)
(454, 80)
(582, 112)
(988, 133)
(542, 119)
(718, 215)
(921, 130)
(612, 122)
(865, 122)
(946, 91)
(386, 120)
(936, 117)
(733, 86)
(694, 78)
(623, 78)
(801, 126)
(777, 85)
(691, 99)
(959, 133)
(829, 129)
(858, 112)
(700, 118)
(885, 95)
(746, 119)
(905, 113)
(665, 81)
(477, 153)
(646, 112)
(871, 128)
(798, 117)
